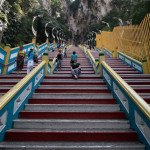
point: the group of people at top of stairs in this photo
(91, 47)
(21, 59)
(75, 67)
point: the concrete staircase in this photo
(139, 82)
(68, 114)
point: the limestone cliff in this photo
(46, 4)
(85, 14)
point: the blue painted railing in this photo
(15, 99)
(42, 49)
(131, 62)
(107, 52)
(2, 59)
(135, 108)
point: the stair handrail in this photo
(42, 49)
(134, 106)
(13, 101)
(94, 62)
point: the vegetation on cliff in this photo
(124, 12)
(20, 14)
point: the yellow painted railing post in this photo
(51, 64)
(34, 42)
(145, 66)
(37, 48)
(102, 48)
(87, 53)
(7, 49)
(47, 41)
(115, 52)
(101, 59)
(45, 57)
(96, 64)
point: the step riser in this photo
(72, 115)
(61, 77)
(41, 136)
(71, 83)
(72, 91)
(72, 101)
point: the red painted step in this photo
(72, 90)
(71, 73)
(71, 101)
(61, 77)
(72, 83)
(71, 115)
(8, 83)
(4, 90)
(139, 83)
(70, 136)
(142, 90)
(147, 100)
(134, 77)
(11, 77)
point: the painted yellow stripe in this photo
(12, 92)
(108, 50)
(42, 44)
(138, 62)
(18, 47)
(139, 101)
(92, 57)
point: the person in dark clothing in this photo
(21, 56)
(59, 60)
(75, 70)
(65, 53)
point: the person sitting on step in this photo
(75, 69)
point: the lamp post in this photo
(53, 34)
(57, 35)
(100, 31)
(106, 24)
(47, 35)
(1, 3)
(120, 20)
(33, 30)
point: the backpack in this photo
(35, 58)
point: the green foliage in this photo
(3, 17)
(139, 11)
(55, 6)
(20, 15)
(74, 6)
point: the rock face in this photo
(86, 14)
(46, 4)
